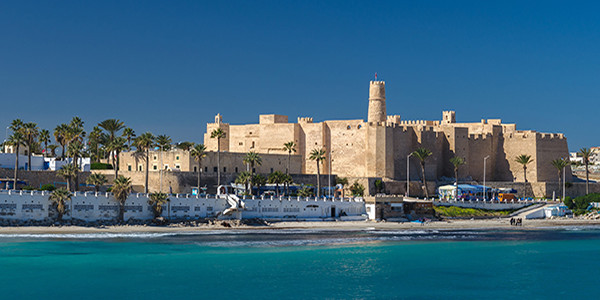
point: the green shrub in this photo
(306, 191)
(357, 189)
(101, 166)
(569, 202)
(455, 211)
(28, 188)
(379, 185)
(48, 187)
(582, 202)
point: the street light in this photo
(408, 174)
(330, 152)
(484, 187)
(564, 178)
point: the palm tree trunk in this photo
(318, 180)
(424, 180)
(121, 211)
(29, 157)
(62, 155)
(456, 175)
(45, 149)
(559, 177)
(287, 172)
(68, 183)
(218, 162)
(147, 164)
(525, 173)
(16, 168)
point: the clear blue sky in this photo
(169, 66)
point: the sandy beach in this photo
(503, 224)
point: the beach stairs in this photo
(235, 208)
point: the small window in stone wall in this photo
(195, 169)
(271, 170)
(177, 157)
(236, 169)
(155, 157)
(348, 127)
(128, 167)
(140, 168)
(154, 167)
(215, 169)
(359, 126)
(224, 169)
(205, 169)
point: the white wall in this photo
(7, 161)
(89, 206)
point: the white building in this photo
(40, 163)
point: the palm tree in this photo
(164, 142)
(68, 171)
(457, 162)
(75, 150)
(318, 155)
(143, 143)
(97, 180)
(129, 134)
(560, 164)
(60, 197)
(244, 178)
(524, 159)
(52, 149)
(422, 154)
(289, 147)
(45, 138)
(218, 134)
(277, 178)
(95, 139)
(258, 181)
(198, 152)
(156, 201)
(16, 140)
(60, 134)
(117, 145)
(112, 127)
(252, 159)
(585, 153)
(121, 189)
(30, 131)
(185, 146)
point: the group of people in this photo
(516, 221)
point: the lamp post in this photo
(484, 169)
(408, 174)
(330, 152)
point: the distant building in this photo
(379, 146)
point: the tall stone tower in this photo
(377, 102)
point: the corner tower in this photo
(377, 111)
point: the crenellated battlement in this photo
(480, 136)
(394, 119)
(305, 119)
(420, 122)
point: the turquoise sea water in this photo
(299, 264)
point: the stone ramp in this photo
(521, 213)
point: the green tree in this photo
(198, 152)
(75, 150)
(218, 134)
(586, 153)
(456, 162)
(341, 180)
(258, 181)
(96, 138)
(116, 146)
(185, 146)
(16, 140)
(524, 160)
(357, 189)
(60, 198)
(289, 147)
(44, 137)
(97, 180)
(112, 127)
(244, 178)
(121, 189)
(560, 164)
(128, 134)
(143, 143)
(52, 149)
(30, 132)
(252, 159)
(156, 201)
(276, 178)
(60, 135)
(305, 192)
(318, 155)
(422, 154)
(68, 171)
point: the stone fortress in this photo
(379, 147)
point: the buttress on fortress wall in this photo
(378, 147)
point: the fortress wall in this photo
(242, 137)
(457, 144)
(347, 140)
(313, 138)
(379, 151)
(550, 147)
(480, 146)
(210, 143)
(514, 145)
(273, 136)
(434, 141)
(402, 142)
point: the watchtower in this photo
(377, 111)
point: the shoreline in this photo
(486, 224)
